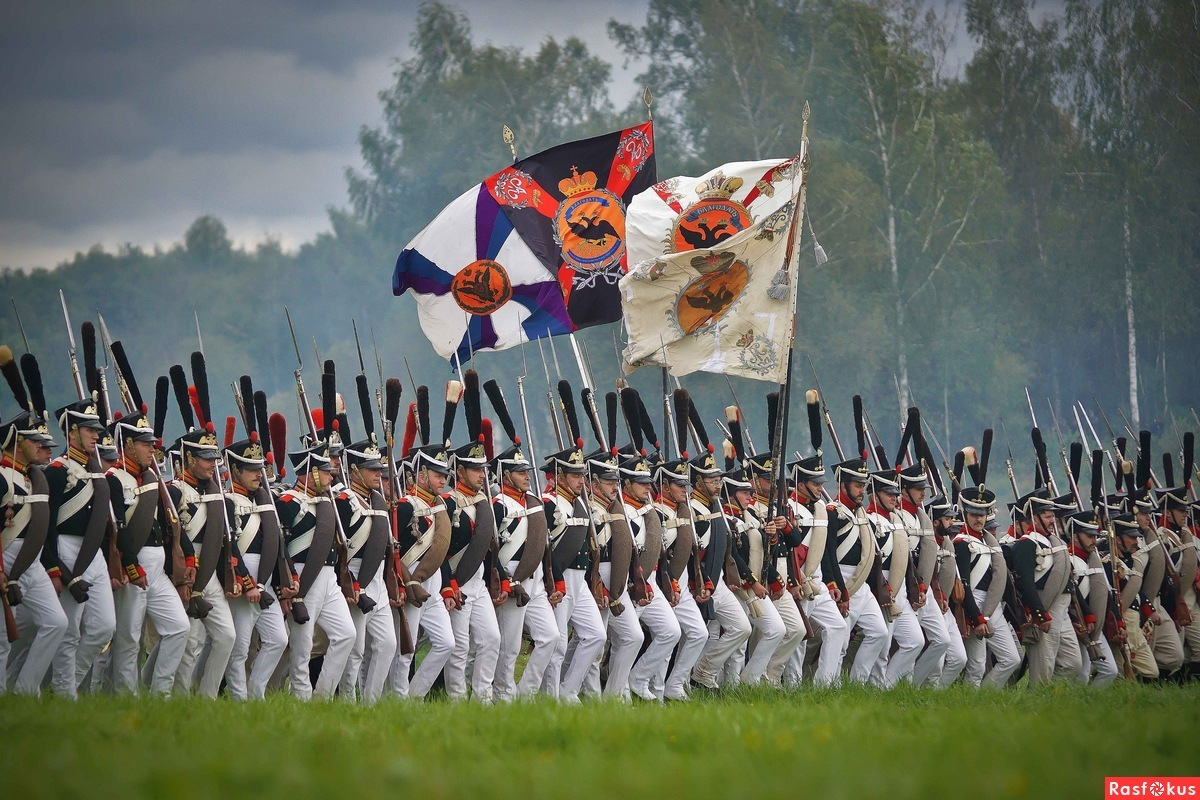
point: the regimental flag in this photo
(707, 290)
(568, 205)
(477, 284)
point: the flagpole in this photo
(779, 485)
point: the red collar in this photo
(909, 506)
(510, 491)
(133, 469)
(630, 500)
(845, 500)
(424, 494)
(874, 508)
(1080, 552)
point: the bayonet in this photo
(378, 360)
(25, 338)
(537, 483)
(295, 344)
(199, 336)
(1012, 478)
(362, 367)
(1099, 445)
(411, 380)
(79, 384)
(317, 351)
(558, 434)
(1029, 400)
(742, 414)
(837, 445)
(1062, 451)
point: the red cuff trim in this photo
(189, 562)
(54, 572)
(776, 586)
(447, 592)
(453, 585)
(357, 588)
(560, 587)
(981, 620)
(506, 586)
(1090, 619)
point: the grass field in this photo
(1057, 741)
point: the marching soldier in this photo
(367, 533)
(260, 543)
(423, 528)
(728, 626)
(25, 443)
(1181, 547)
(656, 615)
(575, 552)
(1129, 566)
(148, 592)
(984, 571)
(853, 541)
(73, 554)
(679, 540)
(893, 541)
(749, 552)
(524, 546)
(1097, 664)
(310, 527)
(950, 595)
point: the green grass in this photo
(1057, 741)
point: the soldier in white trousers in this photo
(984, 572)
(679, 539)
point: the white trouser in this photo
(579, 611)
(694, 635)
(42, 625)
(327, 607)
(1055, 653)
(367, 683)
(1191, 634)
(793, 636)
(660, 621)
(272, 641)
(905, 632)
(625, 640)
(435, 619)
(940, 640)
(766, 633)
(90, 625)
(726, 634)
(868, 616)
(538, 617)
(1100, 671)
(956, 656)
(1002, 644)
(475, 629)
(830, 625)
(209, 643)
(160, 601)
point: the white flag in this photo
(708, 290)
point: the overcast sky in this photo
(123, 121)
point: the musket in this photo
(873, 440)
(80, 392)
(1099, 446)
(742, 414)
(1049, 476)
(199, 336)
(535, 472)
(1008, 464)
(1029, 401)
(102, 373)
(558, 434)
(1062, 451)
(25, 338)
(837, 445)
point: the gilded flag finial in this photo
(648, 98)
(509, 139)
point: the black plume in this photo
(860, 432)
(200, 381)
(423, 414)
(1076, 461)
(393, 390)
(328, 404)
(1122, 444)
(364, 406)
(610, 414)
(956, 475)
(102, 409)
(930, 465)
(985, 454)
(118, 352)
(735, 437)
(568, 404)
(1189, 454)
(246, 390)
(33, 380)
(12, 374)
(492, 389)
(1097, 477)
(329, 367)
(772, 417)
(585, 399)
(1143, 460)
(910, 427)
(681, 403)
(454, 390)
(815, 431)
(1168, 470)
(91, 374)
(472, 405)
(648, 425)
(162, 387)
(343, 428)
(629, 407)
(180, 385)
(698, 425)
(1043, 463)
(881, 456)
(261, 420)
(1130, 483)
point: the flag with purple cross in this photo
(477, 284)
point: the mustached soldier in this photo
(1097, 664)
(984, 572)
(893, 540)
(140, 539)
(25, 443)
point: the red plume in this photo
(318, 418)
(230, 430)
(410, 430)
(485, 431)
(277, 426)
(194, 399)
